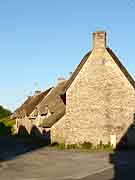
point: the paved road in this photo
(52, 164)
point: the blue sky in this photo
(41, 40)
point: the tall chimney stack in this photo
(99, 40)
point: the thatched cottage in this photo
(96, 104)
(45, 106)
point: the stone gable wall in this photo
(99, 103)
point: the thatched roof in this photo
(18, 111)
(34, 102)
(54, 103)
(57, 110)
(52, 100)
(29, 105)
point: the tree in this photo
(4, 112)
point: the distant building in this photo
(43, 106)
(96, 104)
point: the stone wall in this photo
(28, 124)
(99, 103)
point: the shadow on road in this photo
(21, 143)
(124, 166)
(123, 158)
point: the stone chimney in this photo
(61, 79)
(37, 92)
(99, 40)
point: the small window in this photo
(44, 114)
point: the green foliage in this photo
(62, 146)
(7, 121)
(6, 124)
(87, 145)
(54, 144)
(4, 112)
(5, 130)
(58, 145)
(83, 146)
(72, 146)
(106, 147)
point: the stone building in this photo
(96, 104)
(100, 99)
(42, 106)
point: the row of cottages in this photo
(48, 106)
(96, 104)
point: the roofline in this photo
(122, 67)
(77, 70)
(85, 58)
(26, 103)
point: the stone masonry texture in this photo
(100, 102)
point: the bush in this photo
(102, 146)
(87, 145)
(58, 145)
(108, 146)
(4, 112)
(5, 130)
(54, 144)
(72, 146)
(62, 146)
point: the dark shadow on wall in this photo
(123, 158)
(63, 97)
(21, 143)
(35, 131)
(45, 135)
(22, 131)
